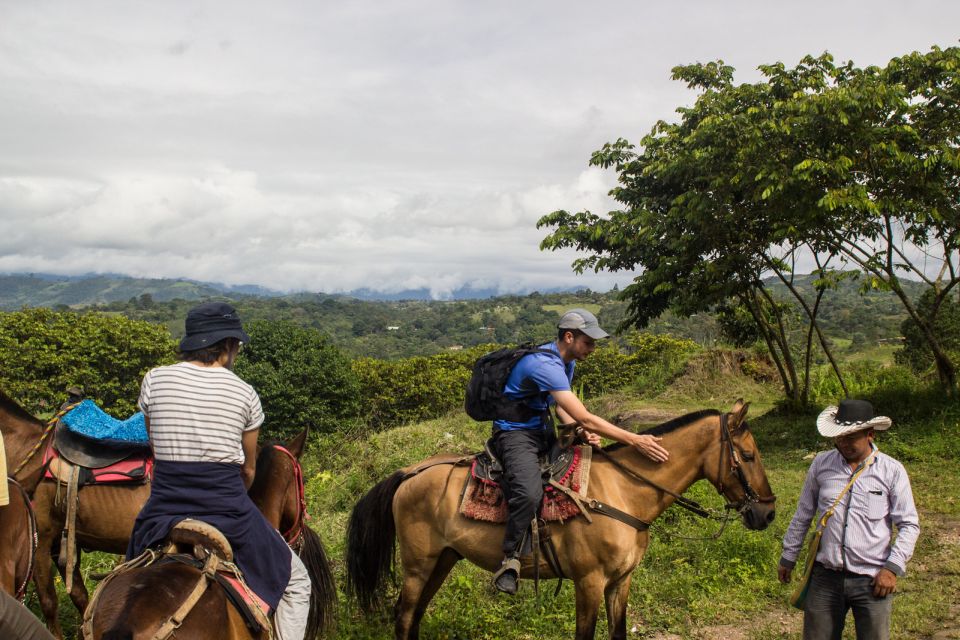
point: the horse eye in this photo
(749, 456)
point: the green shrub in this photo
(396, 392)
(301, 377)
(647, 362)
(42, 352)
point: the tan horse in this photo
(419, 507)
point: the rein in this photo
(43, 436)
(294, 536)
(32, 524)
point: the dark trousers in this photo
(519, 451)
(832, 594)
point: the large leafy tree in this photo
(820, 160)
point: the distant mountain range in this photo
(49, 290)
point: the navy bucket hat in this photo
(210, 323)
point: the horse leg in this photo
(616, 595)
(43, 579)
(448, 558)
(421, 579)
(48, 532)
(589, 590)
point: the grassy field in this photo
(725, 588)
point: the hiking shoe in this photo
(507, 577)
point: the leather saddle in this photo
(89, 437)
(554, 465)
(92, 454)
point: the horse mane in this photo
(670, 425)
(265, 459)
(11, 406)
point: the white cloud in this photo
(333, 146)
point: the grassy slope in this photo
(682, 589)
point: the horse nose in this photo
(771, 515)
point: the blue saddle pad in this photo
(90, 421)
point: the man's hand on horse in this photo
(650, 446)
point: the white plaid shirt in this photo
(858, 537)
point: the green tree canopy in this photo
(301, 377)
(837, 163)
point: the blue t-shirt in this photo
(532, 379)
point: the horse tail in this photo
(323, 593)
(371, 534)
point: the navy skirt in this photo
(214, 493)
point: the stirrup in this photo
(509, 564)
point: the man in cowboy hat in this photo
(857, 564)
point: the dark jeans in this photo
(522, 485)
(832, 594)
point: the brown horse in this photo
(135, 604)
(105, 513)
(18, 549)
(419, 507)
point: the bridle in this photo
(294, 535)
(750, 495)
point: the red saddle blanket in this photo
(245, 593)
(482, 499)
(137, 469)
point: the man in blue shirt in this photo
(542, 380)
(858, 560)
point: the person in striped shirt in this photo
(859, 559)
(203, 423)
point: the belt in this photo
(845, 572)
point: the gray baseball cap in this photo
(584, 321)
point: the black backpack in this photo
(484, 399)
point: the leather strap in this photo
(577, 500)
(70, 529)
(612, 512)
(173, 622)
(863, 467)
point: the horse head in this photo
(278, 491)
(277, 488)
(735, 468)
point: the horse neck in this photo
(21, 433)
(689, 447)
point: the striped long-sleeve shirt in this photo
(859, 535)
(198, 414)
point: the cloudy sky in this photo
(326, 146)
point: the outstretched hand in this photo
(650, 446)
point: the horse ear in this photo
(298, 443)
(738, 413)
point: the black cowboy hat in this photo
(210, 323)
